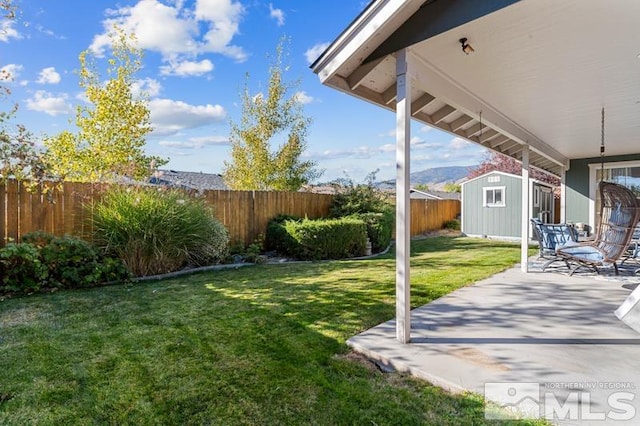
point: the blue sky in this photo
(197, 53)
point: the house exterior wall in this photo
(577, 185)
(492, 221)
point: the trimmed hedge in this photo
(379, 228)
(319, 239)
(277, 238)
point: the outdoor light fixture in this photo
(466, 47)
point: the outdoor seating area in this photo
(556, 331)
(551, 236)
(613, 243)
(618, 219)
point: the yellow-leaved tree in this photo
(112, 129)
(276, 115)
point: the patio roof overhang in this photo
(533, 89)
(539, 76)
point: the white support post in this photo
(403, 206)
(563, 195)
(524, 246)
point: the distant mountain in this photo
(434, 177)
(440, 175)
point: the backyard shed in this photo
(492, 205)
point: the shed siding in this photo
(492, 221)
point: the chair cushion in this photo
(583, 252)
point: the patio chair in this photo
(633, 250)
(552, 236)
(619, 215)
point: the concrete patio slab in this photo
(542, 341)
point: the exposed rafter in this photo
(442, 113)
(360, 74)
(422, 102)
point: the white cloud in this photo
(10, 72)
(7, 31)
(422, 157)
(149, 86)
(48, 75)
(426, 128)
(169, 116)
(276, 14)
(43, 101)
(361, 152)
(187, 68)
(223, 19)
(196, 142)
(418, 143)
(304, 98)
(210, 140)
(313, 52)
(175, 31)
(459, 143)
(391, 133)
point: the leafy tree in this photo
(422, 187)
(19, 157)
(495, 161)
(112, 130)
(265, 117)
(8, 9)
(452, 187)
(352, 198)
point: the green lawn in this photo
(260, 345)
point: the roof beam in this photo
(389, 95)
(421, 103)
(458, 123)
(356, 78)
(512, 150)
(442, 113)
(427, 77)
(487, 136)
(474, 130)
(498, 141)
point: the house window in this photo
(625, 173)
(493, 196)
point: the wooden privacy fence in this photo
(431, 215)
(244, 213)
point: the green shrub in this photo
(72, 263)
(379, 228)
(44, 261)
(21, 268)
(277, 238)
(38, 238)
(351, 198)
(156, 231)
(327, 238)
(452, 224)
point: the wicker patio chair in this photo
(552, 236)
(619, 215)
(633, 250)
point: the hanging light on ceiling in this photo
(466, 47)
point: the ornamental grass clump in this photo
(155, 231)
